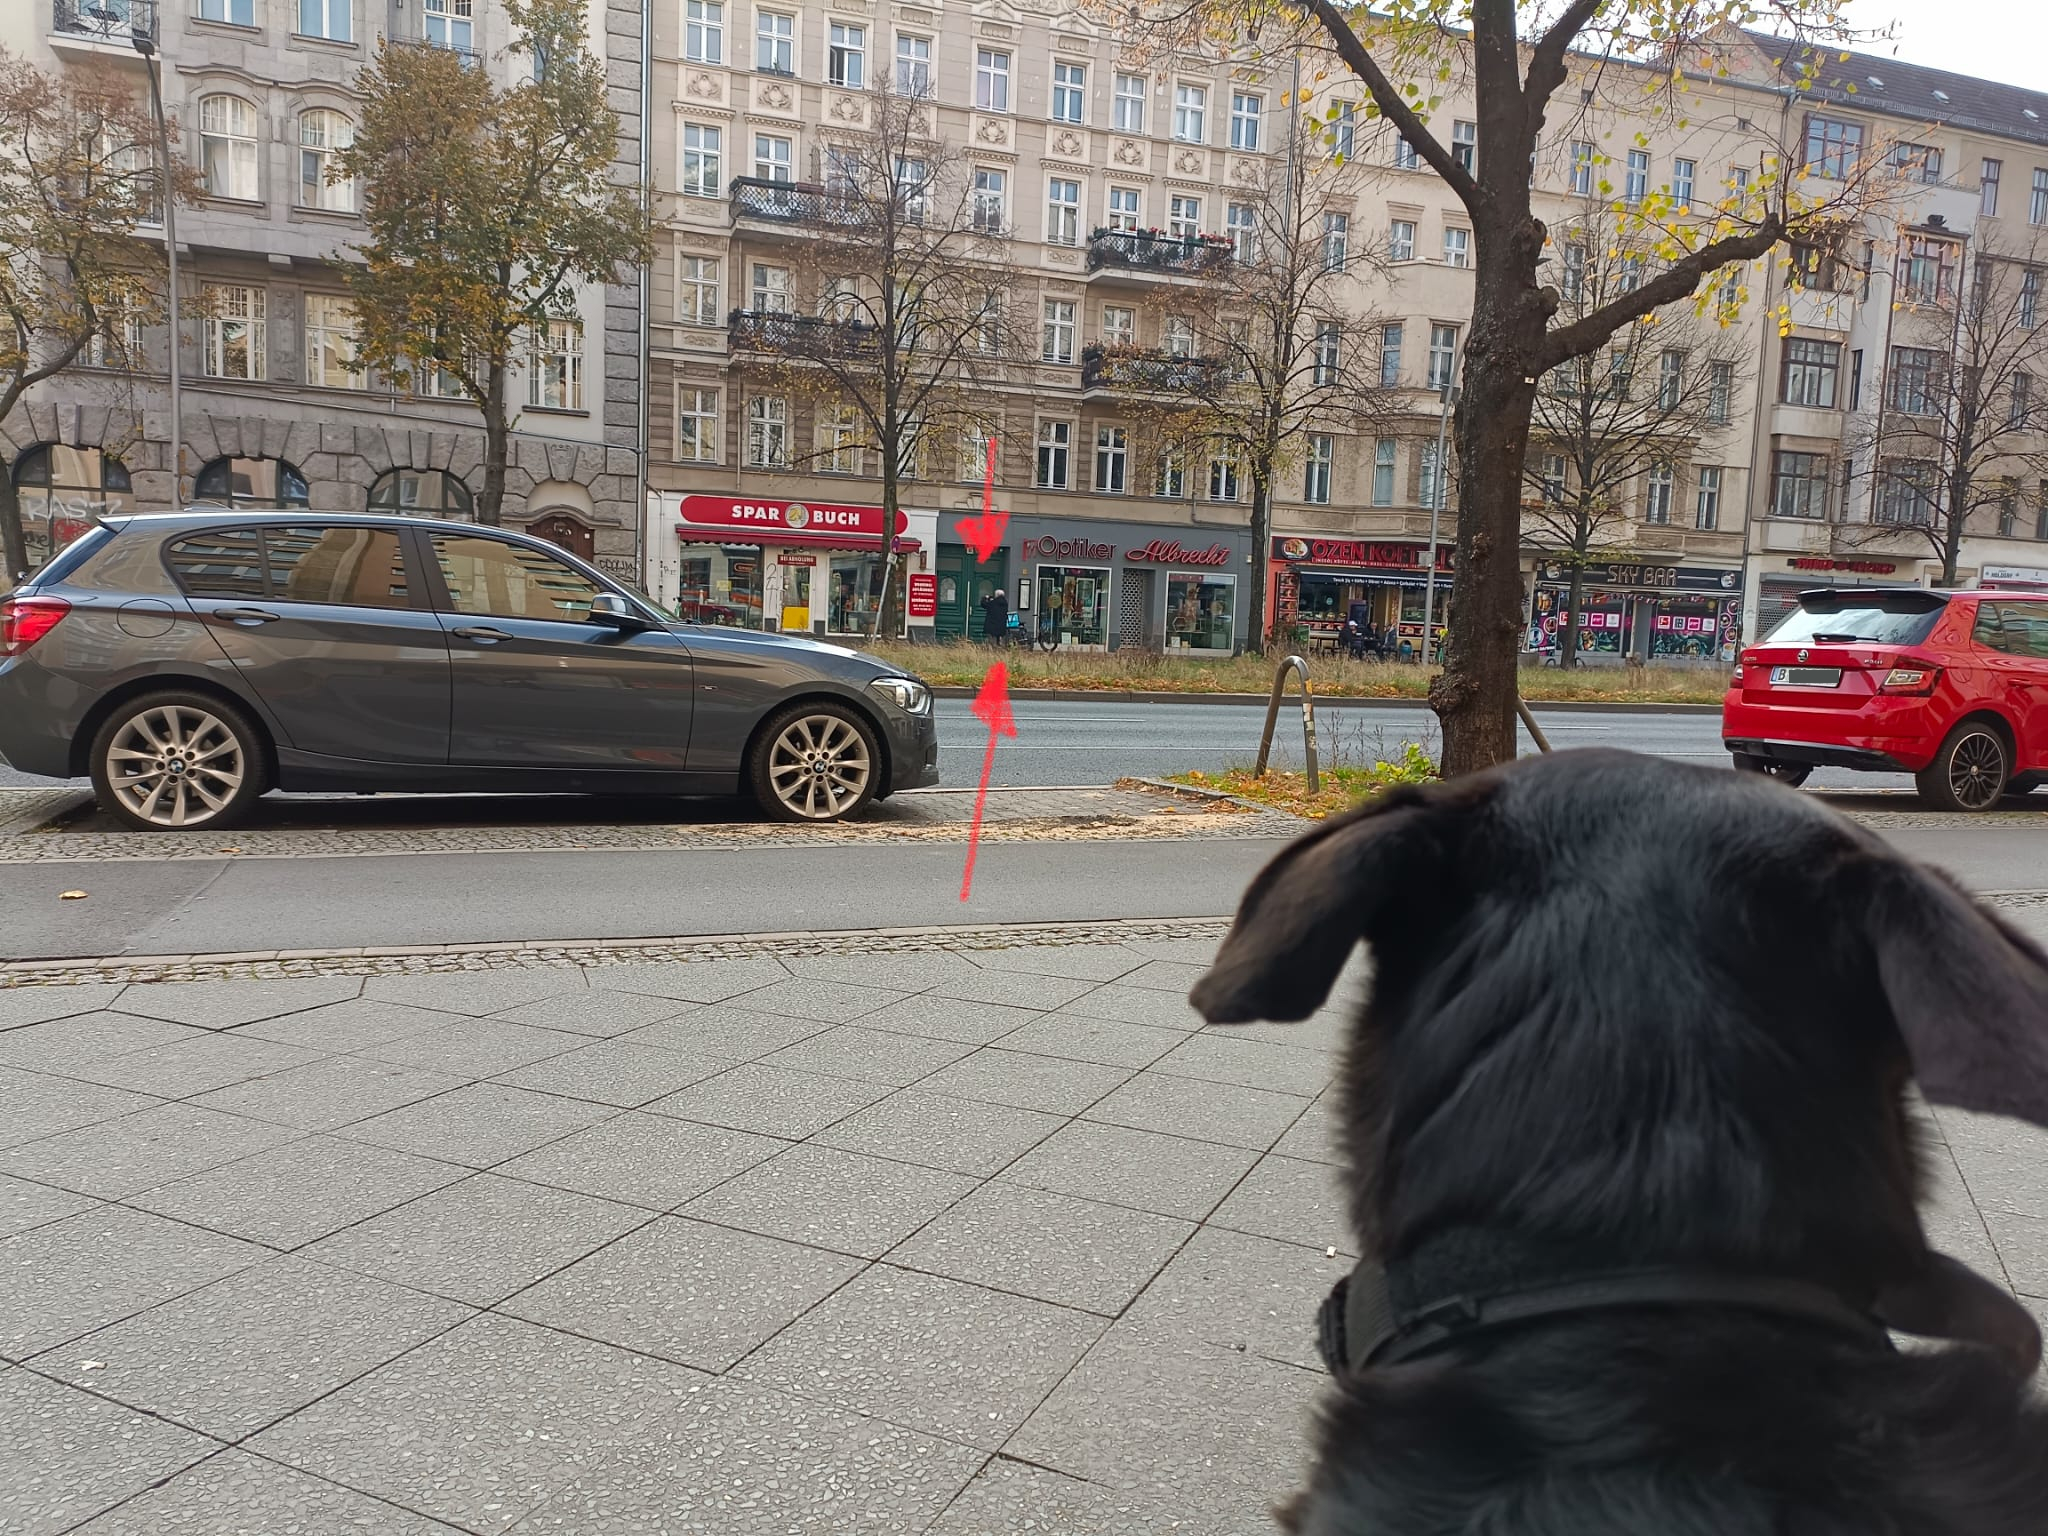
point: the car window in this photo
(2018, 629)
(490, 578)
(223, 562)
(1904, 619)
(351, 567)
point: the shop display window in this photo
(1073, 603)
(1200, 611)
(721, 584)
(855, 594)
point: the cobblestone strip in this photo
(270, 965)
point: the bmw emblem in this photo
(1801, 656)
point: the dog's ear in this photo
(1306, 911)
(1969, 993)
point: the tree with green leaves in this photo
(1516, 57)
(487, 206)
(76, 178)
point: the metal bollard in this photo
(1308, 721)
(1535, 731)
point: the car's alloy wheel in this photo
(817, 763)
(1969, 772)
(177, 763)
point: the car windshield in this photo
(1904, 618)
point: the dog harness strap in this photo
(1359, 1325)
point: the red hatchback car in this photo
(1951, 687)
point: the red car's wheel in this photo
(1969, 773)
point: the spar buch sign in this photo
(755, 520)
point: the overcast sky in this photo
(1992, 39)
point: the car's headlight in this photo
(906, 693)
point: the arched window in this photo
(251, 483)
(227, 147)
(421, 493)
(322, 137)
(63, 492)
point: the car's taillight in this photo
(25, 620)
(1735, 679)
(1910, 680)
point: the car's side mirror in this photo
(610, 608)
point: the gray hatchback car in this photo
(190, 661)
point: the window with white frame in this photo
(1401, 240)
(1457, 247)
(331, 343)
(1383, 472)
(1629, 275)
(1636, 178)
(774, 158)
(770, 293)
(1657, 496)
(913, 184)
(227, 147)
(1683, 174)
(323, 135)
(2037, 205)
(704, 31)
(1443, 356)
(1241, 224)
(240, 13)
(1434, 488)
(1190, 113)
(1987, 187)
(1123, 209)
(1465, 146)
(1336, 241)
(1343, 136)
(1069, 92)
(1179, 336)
(2020, 402)
(1573, 286)
(1390, 354)
(1328, 352)
(1062, 212)
(846, 55)
(1322, 457)
(974, 455)
(1112, 460)
(1553, 479)
(1055, 451)
(1799, 484)
(1670, 378)
(1119, 325)
(842, 172)
(1246, 109)
(767, 432)
(991, 191)
(992, 79)
(1170, 479)
(234, 337)
(1405, 157)
(1720, 392)
(1583, 157)
(1706, 506)
(774, 43)
(2030, 297)
(839, 300)
(450, 24)
(703, 146)
(330, 19)
(989, 327)
(697, 432)
(554, 374)
(1184, 217)
(1916, 380)
(1129, 102)
(1905, 492)
(913, 66)
(840, 448)
(1223, 473)
(1058, 341)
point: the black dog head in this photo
(1646, 1011)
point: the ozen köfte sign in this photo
(1366, 553)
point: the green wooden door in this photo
(962, 586)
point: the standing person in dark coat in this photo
(995, 617)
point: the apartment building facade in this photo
(261, 92)
(1117, 180)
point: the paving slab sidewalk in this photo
(945, 1240)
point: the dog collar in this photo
(1360, 1326)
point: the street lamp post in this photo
(1436, 507)
(142, 31)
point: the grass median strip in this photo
(962, 665)
(1342, 786)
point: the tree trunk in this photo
(13, 541)
(497, 444)
(1958, 517)
(1262, 539)
(1474, 696)
(1572, 598)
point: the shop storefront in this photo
(1778, 588)
(1662, 613)
(806, 567)
(1316, 582)
(1090, 586)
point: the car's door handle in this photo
(247, 615)
(483, 634)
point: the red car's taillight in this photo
(1910, 680)
(25, 620)
(1735, 679)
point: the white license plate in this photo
(1806, 677)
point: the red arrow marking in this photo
(992, 708)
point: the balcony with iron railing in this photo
(793, 335)
(115, 23)
(1136, 370)
(1147, 252)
